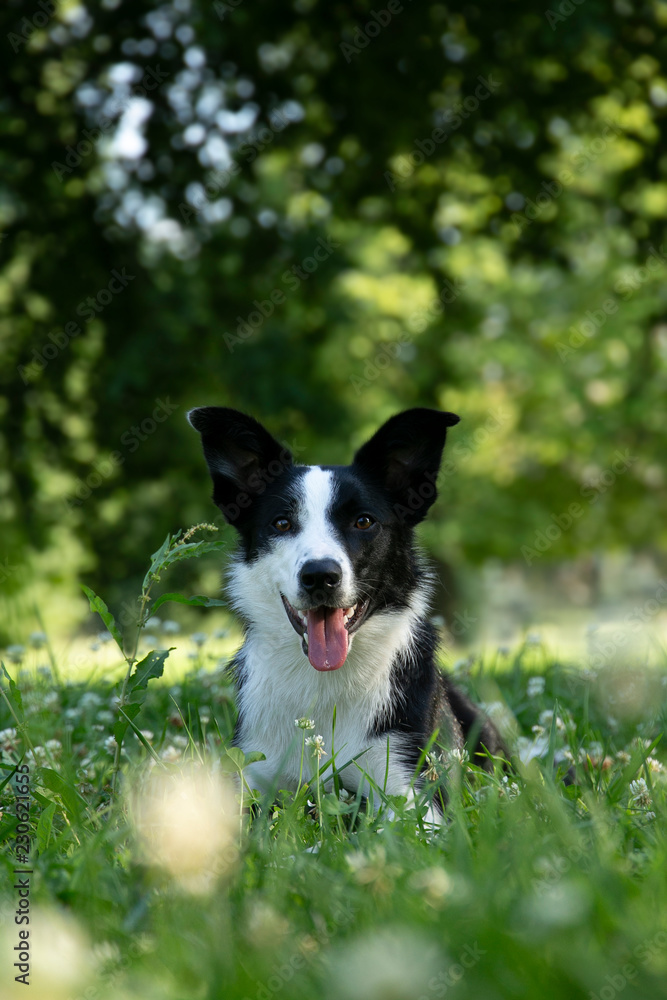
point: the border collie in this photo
(334, 598)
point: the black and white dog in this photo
(334, 598)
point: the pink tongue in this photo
(327, 638)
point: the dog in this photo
(334, 597)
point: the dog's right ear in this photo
(241, 455)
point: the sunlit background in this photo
(322, 215)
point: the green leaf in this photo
(198, 601)
(191, 550)
(44, 825)
(156, 561)
(152, 665)
(98, 605)
(137, 732)
(14, 696)
(119, 728)
(73, 802)
(241, 760)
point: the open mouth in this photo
(326, 631)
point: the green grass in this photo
(165, 887)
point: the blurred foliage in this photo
(165, 168)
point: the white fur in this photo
(280, 685)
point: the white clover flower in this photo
(221, 633)
(153, 622)
(546, 717)
(640, 794)
(432, 772)
(37, 639)
(199, 638)
(458, 754)
(89, 700)
(171, 627)
(533, 639)
(15, 652)
(110, 744)
(623, 757)
(53, 746)
(104, 637)
(655, 766)
(304, 723)
(8, 739)
(513, 790)
(536, 686)
(170, 755)
(317, 743)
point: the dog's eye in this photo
(282, 524)
(364, 522)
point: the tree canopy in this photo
(321, 214)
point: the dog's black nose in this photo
(320, 575)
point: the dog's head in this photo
(330, 546)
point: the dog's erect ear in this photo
(404, 457)
(241, 455)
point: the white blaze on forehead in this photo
(317, 538)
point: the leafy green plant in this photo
(133, 689)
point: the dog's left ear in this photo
(404, 457)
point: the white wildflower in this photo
(536, 686)
(8, 739)
(304, 723)
(431, 772)
(317, 743)
(640, 794)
